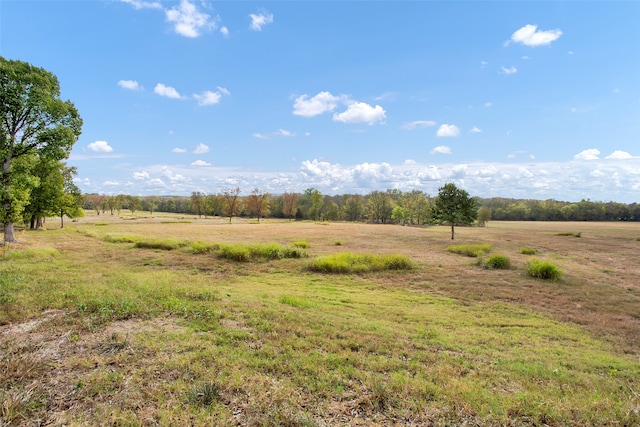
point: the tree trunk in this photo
(451, 231)
(61, 219)
(9, 235)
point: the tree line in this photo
(390, 206)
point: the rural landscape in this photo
(168, 319)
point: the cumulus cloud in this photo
(201, 149)
(137, 4)
(260, 19)
(621, 155)
(100, 147)
(200, 163)
(446, 130)
(188, 21)
(166, 91)
(208, 97)
(588, 154)
(529, 35)
(418, 124)
(510, 70)
(179, 150)
(129, 84)
(475, 129)
(321, 103)
(361, 112)
(441, 149)
(139, 176)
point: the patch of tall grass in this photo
(42, 252)
(543, 270)
(269, 251)
(162, 244)
(496, 262)
(347, 262)
(115, 238)
(528, 251)
(470, 249)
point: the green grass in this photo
(162, 244)
(543, 270)
(528, 251)
(496, 262)
(301, 244)
(348, 262)
(470, 249)
(269, 251)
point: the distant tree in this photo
(134, 203)
(316, 204)
(150, 204)
(400, 214)
(454, 206)
(258, 203)
(380, 206)
(213, 204)
(198, 203)
(231, 203)
(484, 215)
(33, 120)
(354, 208)
(289, 205)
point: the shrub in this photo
(348, 262)
(528, 251)
(470, 250)
(543, 270)
(497, 262)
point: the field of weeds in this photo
(170, 320)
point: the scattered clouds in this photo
(260, 19)
(166, 91)
(488, 104)
(475, 129)
(441, 149)
(143, 4)
(446, 130)
(510, 70)
(361, 112)
(200, 163)
(260, 135)
(179, 150)
(140, 176)
(209, 97)
(129, 84)
(621, 155)
(588, 154)
(201, 149)
(279, 132)
(418, 124)
(529, 35)
(224, 31)
(321, 103)
(188, 21)
(284, 132)
(483, 64)
(100, 147)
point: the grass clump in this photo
(497, 262)
(101, 224)
(301, 244)
(204, 394)
(569, 233)
(42, 252)
(244, 253)
(348, 262)
(111, 238)
(296, 301)
(162, 244)
(528, 251)
(471, 249)
(201, 247)
(543, 270)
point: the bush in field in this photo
(348, 262)
(543, 270)
(497, 262)
(471, 249)
(528, 251)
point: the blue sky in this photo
(505, 99)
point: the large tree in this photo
(258, 203)
(454, 206)
(33, 120)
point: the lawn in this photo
(149, 321)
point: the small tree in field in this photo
(484, 215)
(289, 205)
(231, 203)
(258, 203)
(454, 206)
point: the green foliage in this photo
(42, 252)
(497, 262)
(348, 262)
(121, 238)
(163, 244)
(528, 251)
(454, 206)
(201, 247)
(296, 301)
(470, 249)
(204, 394)
(300, 244)
(244, 253)
(543, 270)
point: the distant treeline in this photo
(390, 206)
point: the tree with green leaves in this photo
(454, 206)
(33, 120)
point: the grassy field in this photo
(169, 320)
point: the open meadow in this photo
(177, 320)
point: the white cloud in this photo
(111, 183)
(260, 19)
(137, 4)
(588, 154)
(476, 129)
(224, 91)
(200, 163)
(129, 84)
(166, 91)
(260, 135)
(224, 31)
(284, 132)
(361, 112)
(529, 35)
(446, 130)
(201, 149)
(441, 149)
(418, 124)
(621, 155)
(100, 147)
(179, 150)
(488, 104)
(139, 176)
(483, 64)
(188, 20)
(208, 97)
(510, 70)
(321, 103)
